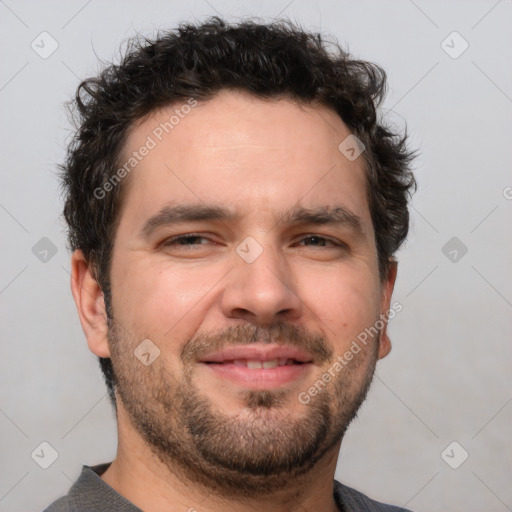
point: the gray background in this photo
(448, 377)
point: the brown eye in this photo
(188, 241)
(321, 241)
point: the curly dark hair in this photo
(276, 60)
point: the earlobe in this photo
(384, 345)
(90, 304)
(387, 291)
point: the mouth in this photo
(258, 366)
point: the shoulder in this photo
(355, 501)
(90, 493)
(72, 501)
(61, 505)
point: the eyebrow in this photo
(186, 213)
(323, 215)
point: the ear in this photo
(387, 290)
(90, 304)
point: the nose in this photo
(263, 291)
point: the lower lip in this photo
(259, 378)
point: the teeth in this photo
(255, 364)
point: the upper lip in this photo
(258, 352)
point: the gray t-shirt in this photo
(91, 494)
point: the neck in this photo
(136, 469)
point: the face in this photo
(245, 253)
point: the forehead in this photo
(255, 156)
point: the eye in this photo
(321, 241)
(189, 242)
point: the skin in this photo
(260, 158)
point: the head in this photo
(262, 146)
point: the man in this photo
(233, 208)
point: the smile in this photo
(255, 364)
(258, 366)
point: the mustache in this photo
(244, 334)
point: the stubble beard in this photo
(261, 450)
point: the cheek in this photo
(162, 301)
(345, 303)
